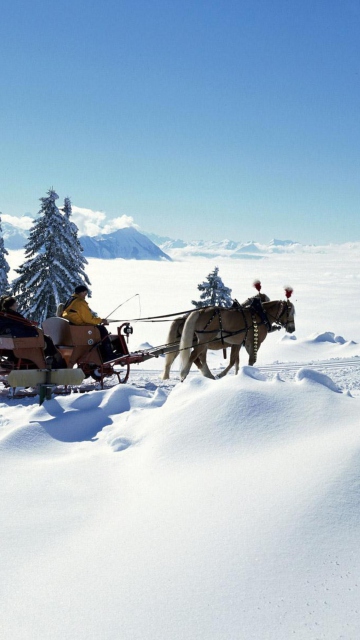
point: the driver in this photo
(77, 311)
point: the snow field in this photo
(203, 510)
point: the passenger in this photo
(77, 311)
(14, 324)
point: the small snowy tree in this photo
(49, 274)
(213, 292)
(4, 267)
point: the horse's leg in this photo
(237, 357)
(194, 358)
(173, 337)
(203, 364)
(249, 345)
(234, 360)
(261, 337)
(198, 357)
(169, 359)
(187, 338)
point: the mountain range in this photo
(130, 244)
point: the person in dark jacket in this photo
(14, 324)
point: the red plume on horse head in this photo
(288, 292)
(257, 285)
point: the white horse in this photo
(231, 327)
(176, 329)
(174, 336)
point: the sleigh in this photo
(23, 364)
(81, 346)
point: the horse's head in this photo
(282, 312)
(287, 312)
(287, 317)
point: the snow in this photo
(209, 509)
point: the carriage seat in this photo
(27, 350)
(9, 342)
(65, 334)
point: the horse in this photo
(174, 336)
(176, 329)
(238, 326)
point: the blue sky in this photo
(233, 118)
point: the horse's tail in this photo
(187, 338)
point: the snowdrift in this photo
(229, 509)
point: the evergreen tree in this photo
(214, 292)
(49, 274)
(76, 257)
(4, 267)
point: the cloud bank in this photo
(89, 221)
(24, 222)
(93, 223)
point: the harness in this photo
(254, 308)
(255, 337)
(284, 307)
(223, 332)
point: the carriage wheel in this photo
(96, 374)
(86, 369)
(123, 374)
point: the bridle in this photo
(284, 308)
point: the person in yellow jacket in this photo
(78, 312)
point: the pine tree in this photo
(49, 274)
(76, 258)
(4, 267)
(214, 292)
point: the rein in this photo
(159, 318)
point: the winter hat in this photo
(80, 288)
(7, 303)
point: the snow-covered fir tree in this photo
(49, 273)
(213, 292)
(4, 267)
(76, 257)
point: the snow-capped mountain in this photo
(14, 237)
(125, 243)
